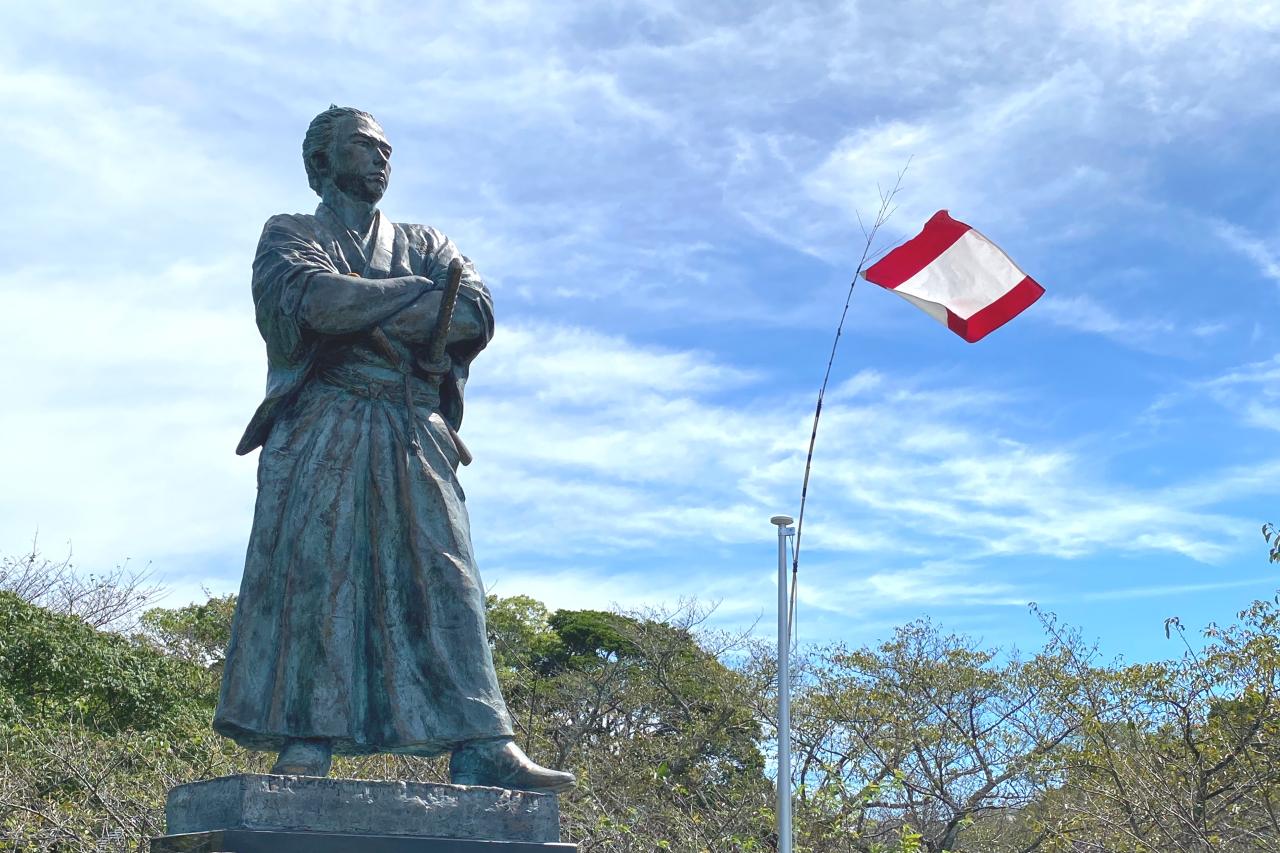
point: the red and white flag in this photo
(958, 277)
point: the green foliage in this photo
(1182, 755)
(909, 743)
(588, 636)
(196, 633)
(926, 743)
(1272, 536)
(519, 633)
(94, 729)
(664, 737)
(53, 666)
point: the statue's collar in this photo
(374, 249)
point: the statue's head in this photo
(346, 148)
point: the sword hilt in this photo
(434, 362)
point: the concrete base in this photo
(256, 841)
(251, 812)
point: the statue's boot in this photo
(499, 763)
(304, 758)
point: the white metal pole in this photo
(784, 688)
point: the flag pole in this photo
(783, 523)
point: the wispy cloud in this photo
(123, 409)
(1257, 250)
(1168, 590)
(1252, 391)
(1082, 313)
(663, 198)
(898, 456)
(930, 585)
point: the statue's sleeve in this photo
(288, 256)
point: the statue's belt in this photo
(386, 390)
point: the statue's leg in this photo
(304, 758)
(499, 763)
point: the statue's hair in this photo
(320, 136)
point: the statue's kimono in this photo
(361, 612)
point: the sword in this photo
(435, 364)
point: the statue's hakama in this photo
(361, 612)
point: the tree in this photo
(1185, 754)
(94, 729)
(663, 736)
(109, 600)
(197, 634)
(53, 665)
(926, 742)
(926, 736)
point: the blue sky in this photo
(663, 198)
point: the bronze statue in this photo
(360, 625)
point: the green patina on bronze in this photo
(360, 623)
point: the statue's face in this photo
(360, 159)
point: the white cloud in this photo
(1209, 330)
(125, 400)
(1083, 313)
(1251, 390)
(977, 157)
(1266, 582)
(90, 161)
(628, 177)
(1257, 250)
(736, 598)
(1156, 27)
(647, 463)
(929, 585)
(576, 366)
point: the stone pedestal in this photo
(250, 813)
